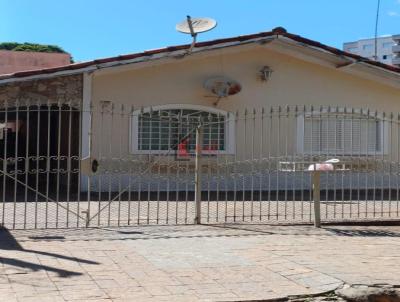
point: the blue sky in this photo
(91, 29)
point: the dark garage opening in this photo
(39, 152)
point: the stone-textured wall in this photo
(63, 89)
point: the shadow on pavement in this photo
(36, 267)
(291, 230)
(8, 242)
(241, 227)
(362, 233)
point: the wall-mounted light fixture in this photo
(265, 73)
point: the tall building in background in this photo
(388, 49)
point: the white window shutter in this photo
(342, 135)
(312, 131)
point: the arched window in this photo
(169, 128)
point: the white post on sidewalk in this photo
(197, 179)
(316, 181)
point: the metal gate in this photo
(192, 164)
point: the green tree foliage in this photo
(8, 45)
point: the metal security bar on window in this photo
(171, 129)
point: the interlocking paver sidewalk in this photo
(193, 263)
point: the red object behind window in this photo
(183, 149)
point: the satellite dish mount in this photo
(193, 26)
(192, 33)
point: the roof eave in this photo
(342, 58)
(348, 63)
(180, 53)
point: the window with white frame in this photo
(387, 44)
(169, 128)
(368, 47)
(352, 49)
(341, 134)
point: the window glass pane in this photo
(368, 47)
(352, 49)
(387, 44)
(176, 128)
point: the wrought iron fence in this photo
(112, 164)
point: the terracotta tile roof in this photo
(275, 32)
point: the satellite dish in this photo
(222, 87)
(196, 25)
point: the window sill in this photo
(174, 153)
(333, 154)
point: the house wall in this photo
(268, 140)
(293, 82)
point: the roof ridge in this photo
(279, 31)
